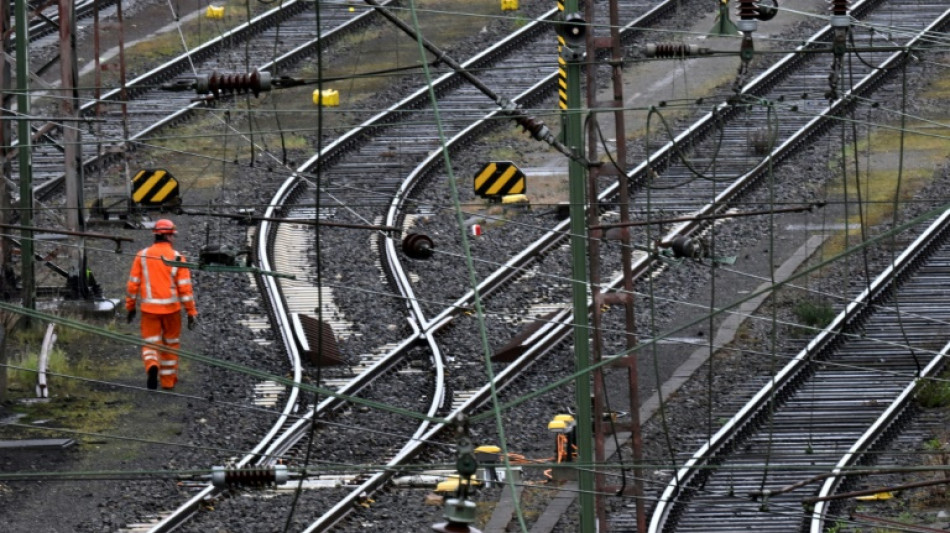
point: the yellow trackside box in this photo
(326, 97)
(515, 199)
(215, 12)
(509, 5)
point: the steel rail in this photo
(182, 63)
(327, 157)
(788, 374)
(399, 278)
(891, 415)
(827, 340)
(559, 234)
(272, 440)
(784, 377)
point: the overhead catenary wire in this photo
(648, 344)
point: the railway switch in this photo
(249, 477)
(417, 246)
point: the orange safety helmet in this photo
(164, 227)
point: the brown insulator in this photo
(418, 246)
(748, 9)
(217, 83)
(672, 50)
(839, 7)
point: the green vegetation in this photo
(814, 315)
(934, 393)
(78, 400)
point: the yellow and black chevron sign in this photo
(561, 66)
(561, 75)
(499, 178)
(154, 187)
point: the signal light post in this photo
(571, 40)
(575, 35)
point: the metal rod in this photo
(710, 217)
(303, 221)
(537, 128)
(67, 232)
(25, 153)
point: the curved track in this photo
(343, 167)
(348, 189)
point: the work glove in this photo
(130, 317)
(192, 322)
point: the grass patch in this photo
(934, 392)
(814, 315)
(75, 404)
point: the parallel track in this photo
(149, 108)
(799, 417)
(829, 407)
(343, 164)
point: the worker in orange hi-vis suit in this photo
(160, 290)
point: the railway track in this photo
(786, 140)
(841, 397)
(810, 427)
(126, 118)
(285, 296)
(345, 172)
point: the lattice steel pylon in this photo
(607, 51)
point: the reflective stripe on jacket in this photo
(158, 287)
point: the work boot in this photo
(152, 382)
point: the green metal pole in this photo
(577, 195)
(25, 153)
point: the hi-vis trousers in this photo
(163, 330)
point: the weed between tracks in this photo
(77, 401)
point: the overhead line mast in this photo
(572, 42)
